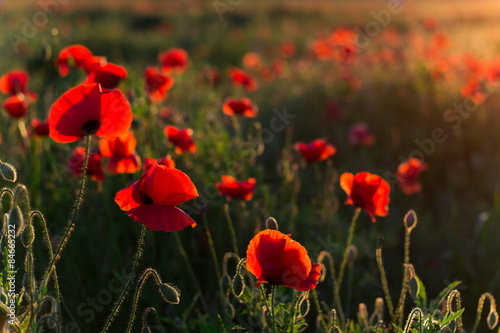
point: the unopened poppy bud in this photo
(271, 223)
(8, 172)
(352, 253)
(492, 319)
(28, 235)
(238, 285)
(413, 287)
(170, 293)
(380, 242)
(410, 220)
(229, 308)
(225, 282)
(16, 218)
(304, 306)
(362, 311)
(379, 308)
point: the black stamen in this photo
(147, 199)
(91, 127)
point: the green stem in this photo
(349, 291)
(190, 270)
(346, 251)
(119, 302)
(406, 278)
(292, 320)
(385, 285)
(71, 224)
(265, 298)
(231, 228)
(320, 313)
(212, 247)
(273, 292)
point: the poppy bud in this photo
(410, 220)
(352, 253)
(225, 282)
(271, 223)
(362, 312)
(304, 305)
(28, 235)
(492, 319)
(238, 285)
(379, 308)
(170, 293)
(8, 172)
(229, 308)
(16, 218)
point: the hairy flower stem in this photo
(71, 224)
(231, 228)
(273, 294)
(320, 313)
(292, 319)
(385, 285)
(406, 278)
(212, 247)
(346, 251)
(120, 300)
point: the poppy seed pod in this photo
(238, 285)
(410, 220)
(16, 219)
(28, 235)
(8, 172)
(304, 305)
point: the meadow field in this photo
(214, 131)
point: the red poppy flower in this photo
(152, 203)
(252, 61)
(157, 84)
(473, 90)
(359, 134)
(288, 49)
(78, 55)
(109, 75)
(40, 128)
(367, 191)
(166, 161)
(121, 151)
(276, 258)
(87, 109)
(181, 138)
(242, 78)
(14, 83)
(16, 106)
(234, 189)
(173, 60)
(94, 168)
(243, 106)
(408, 173)
(317, 150)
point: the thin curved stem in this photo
(385, 285)
(119, 302)
(71, 224)
(292, 319)
(212, 247)
(273, 293)
(346, 251)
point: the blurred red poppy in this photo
(359, 134)
(408, 173)
(14, 83)
(77, 55)
(87, 109)
(173, 60)
(242, 78)
(243, 106)
(157, 84)
(252, 61)
(166, 161)
(181, 138)
(16, 106)
(210, 75)
(474, 91)
(151, 202)
(121, 151)
(109, 75)
(367, 191)
(94, 169)
(317, 150)
(277, 259)
(40, 128)
(288, 49)
(234, 189)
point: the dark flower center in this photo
(91, 127)
(147, 199)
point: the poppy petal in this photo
(161, 217)
(125, 199)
